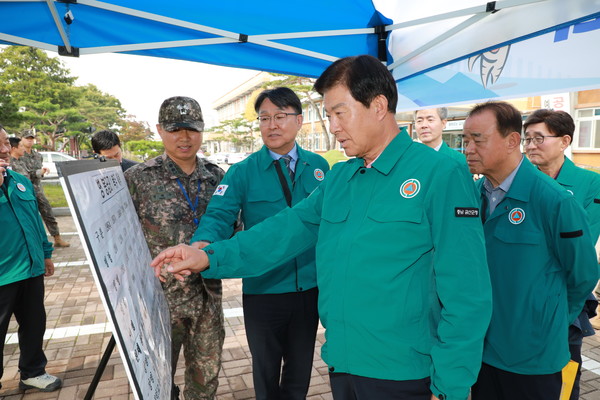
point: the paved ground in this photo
(78, 332)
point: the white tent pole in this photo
(474, 19)
(502, 4)
(27, 42)
(203, 28)
(158, 18)
(59, 26)
(155, 45)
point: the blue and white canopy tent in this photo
(440, 52)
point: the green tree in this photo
(238, 131)
(38, 93)
(304, 89)
(42, 90)
(135, 130)
(145, 149)
(99, 111)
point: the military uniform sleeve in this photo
(462, 281)
(268, 244)
(218, 221)
(131, 184)
(18, 167)
(575, 250)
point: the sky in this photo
(142, 83)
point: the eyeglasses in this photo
(278, 118)
(537, 140)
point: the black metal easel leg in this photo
(101, 367)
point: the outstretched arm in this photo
(181, 261)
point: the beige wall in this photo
(587, 159)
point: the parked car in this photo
(218, 158)
(233, 158)
(50, 157)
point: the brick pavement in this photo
(78, 330)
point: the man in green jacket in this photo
(541, 259)
(548, 133)
(430, 124)
(25, 258)
(404, 292)
(280, 307)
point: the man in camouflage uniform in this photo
(170, 194)
(31, 166)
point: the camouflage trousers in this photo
(46, 210)
(202, 337)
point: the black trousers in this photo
(496, 384)
(353, 387)
(281, 328)
(26, 300)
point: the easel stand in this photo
(103, 362)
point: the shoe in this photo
(58, 242)
(44, 382)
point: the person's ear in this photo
(565, 141)
(380, 105)
(514, 141)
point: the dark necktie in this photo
(288, 160)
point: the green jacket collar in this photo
(566, 175)
(524, 179)
(390, 155)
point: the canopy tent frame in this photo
(266, 40)
(425, 43)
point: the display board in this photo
(118, 255)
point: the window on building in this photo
(587, 130)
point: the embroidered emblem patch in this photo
(21, 187)
(319, 174)
(410, 188)
(220, 191)
(516, 216)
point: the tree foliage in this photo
(238, 131)
(145, 149)
(133, 129)
(38, 93)
(304, 89)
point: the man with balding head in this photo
(540, 255)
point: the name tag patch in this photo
(468, 212)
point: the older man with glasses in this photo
(548, 133)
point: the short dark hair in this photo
(366, 78)
(14, 141)
(105, 140)
(508, 118)
(281, 97)
(558, 122)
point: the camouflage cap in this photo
(180, 112)
(26, 133)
